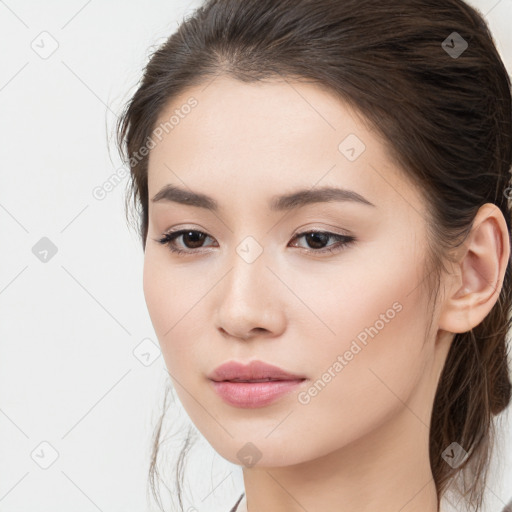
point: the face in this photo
(345, 308)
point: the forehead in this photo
(274, 115)
(269, 137)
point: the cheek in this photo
(156, 292)
(161, 287)
(370, 368)
(173, 298)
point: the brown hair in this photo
(444, 115)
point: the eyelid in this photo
(329, 229)
(304, 228)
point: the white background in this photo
(69, 327)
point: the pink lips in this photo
(254, 385)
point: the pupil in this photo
(319, 235)
(191, 234)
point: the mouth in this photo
(253, 385)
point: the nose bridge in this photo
(248, 264)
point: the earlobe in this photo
(481, 270)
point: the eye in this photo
(192, 236)
(316, 238)
(193, 239)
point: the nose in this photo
(249, 301)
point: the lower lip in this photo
(254, 394)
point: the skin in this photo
(362, 442)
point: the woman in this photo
(323, 189)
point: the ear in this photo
(481, 268)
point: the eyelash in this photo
(343, 241)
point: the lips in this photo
(255, 371)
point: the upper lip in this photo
(255, 370)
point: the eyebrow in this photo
(285, 202)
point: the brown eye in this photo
(192, 239)
(317, 240)
(195, 238)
